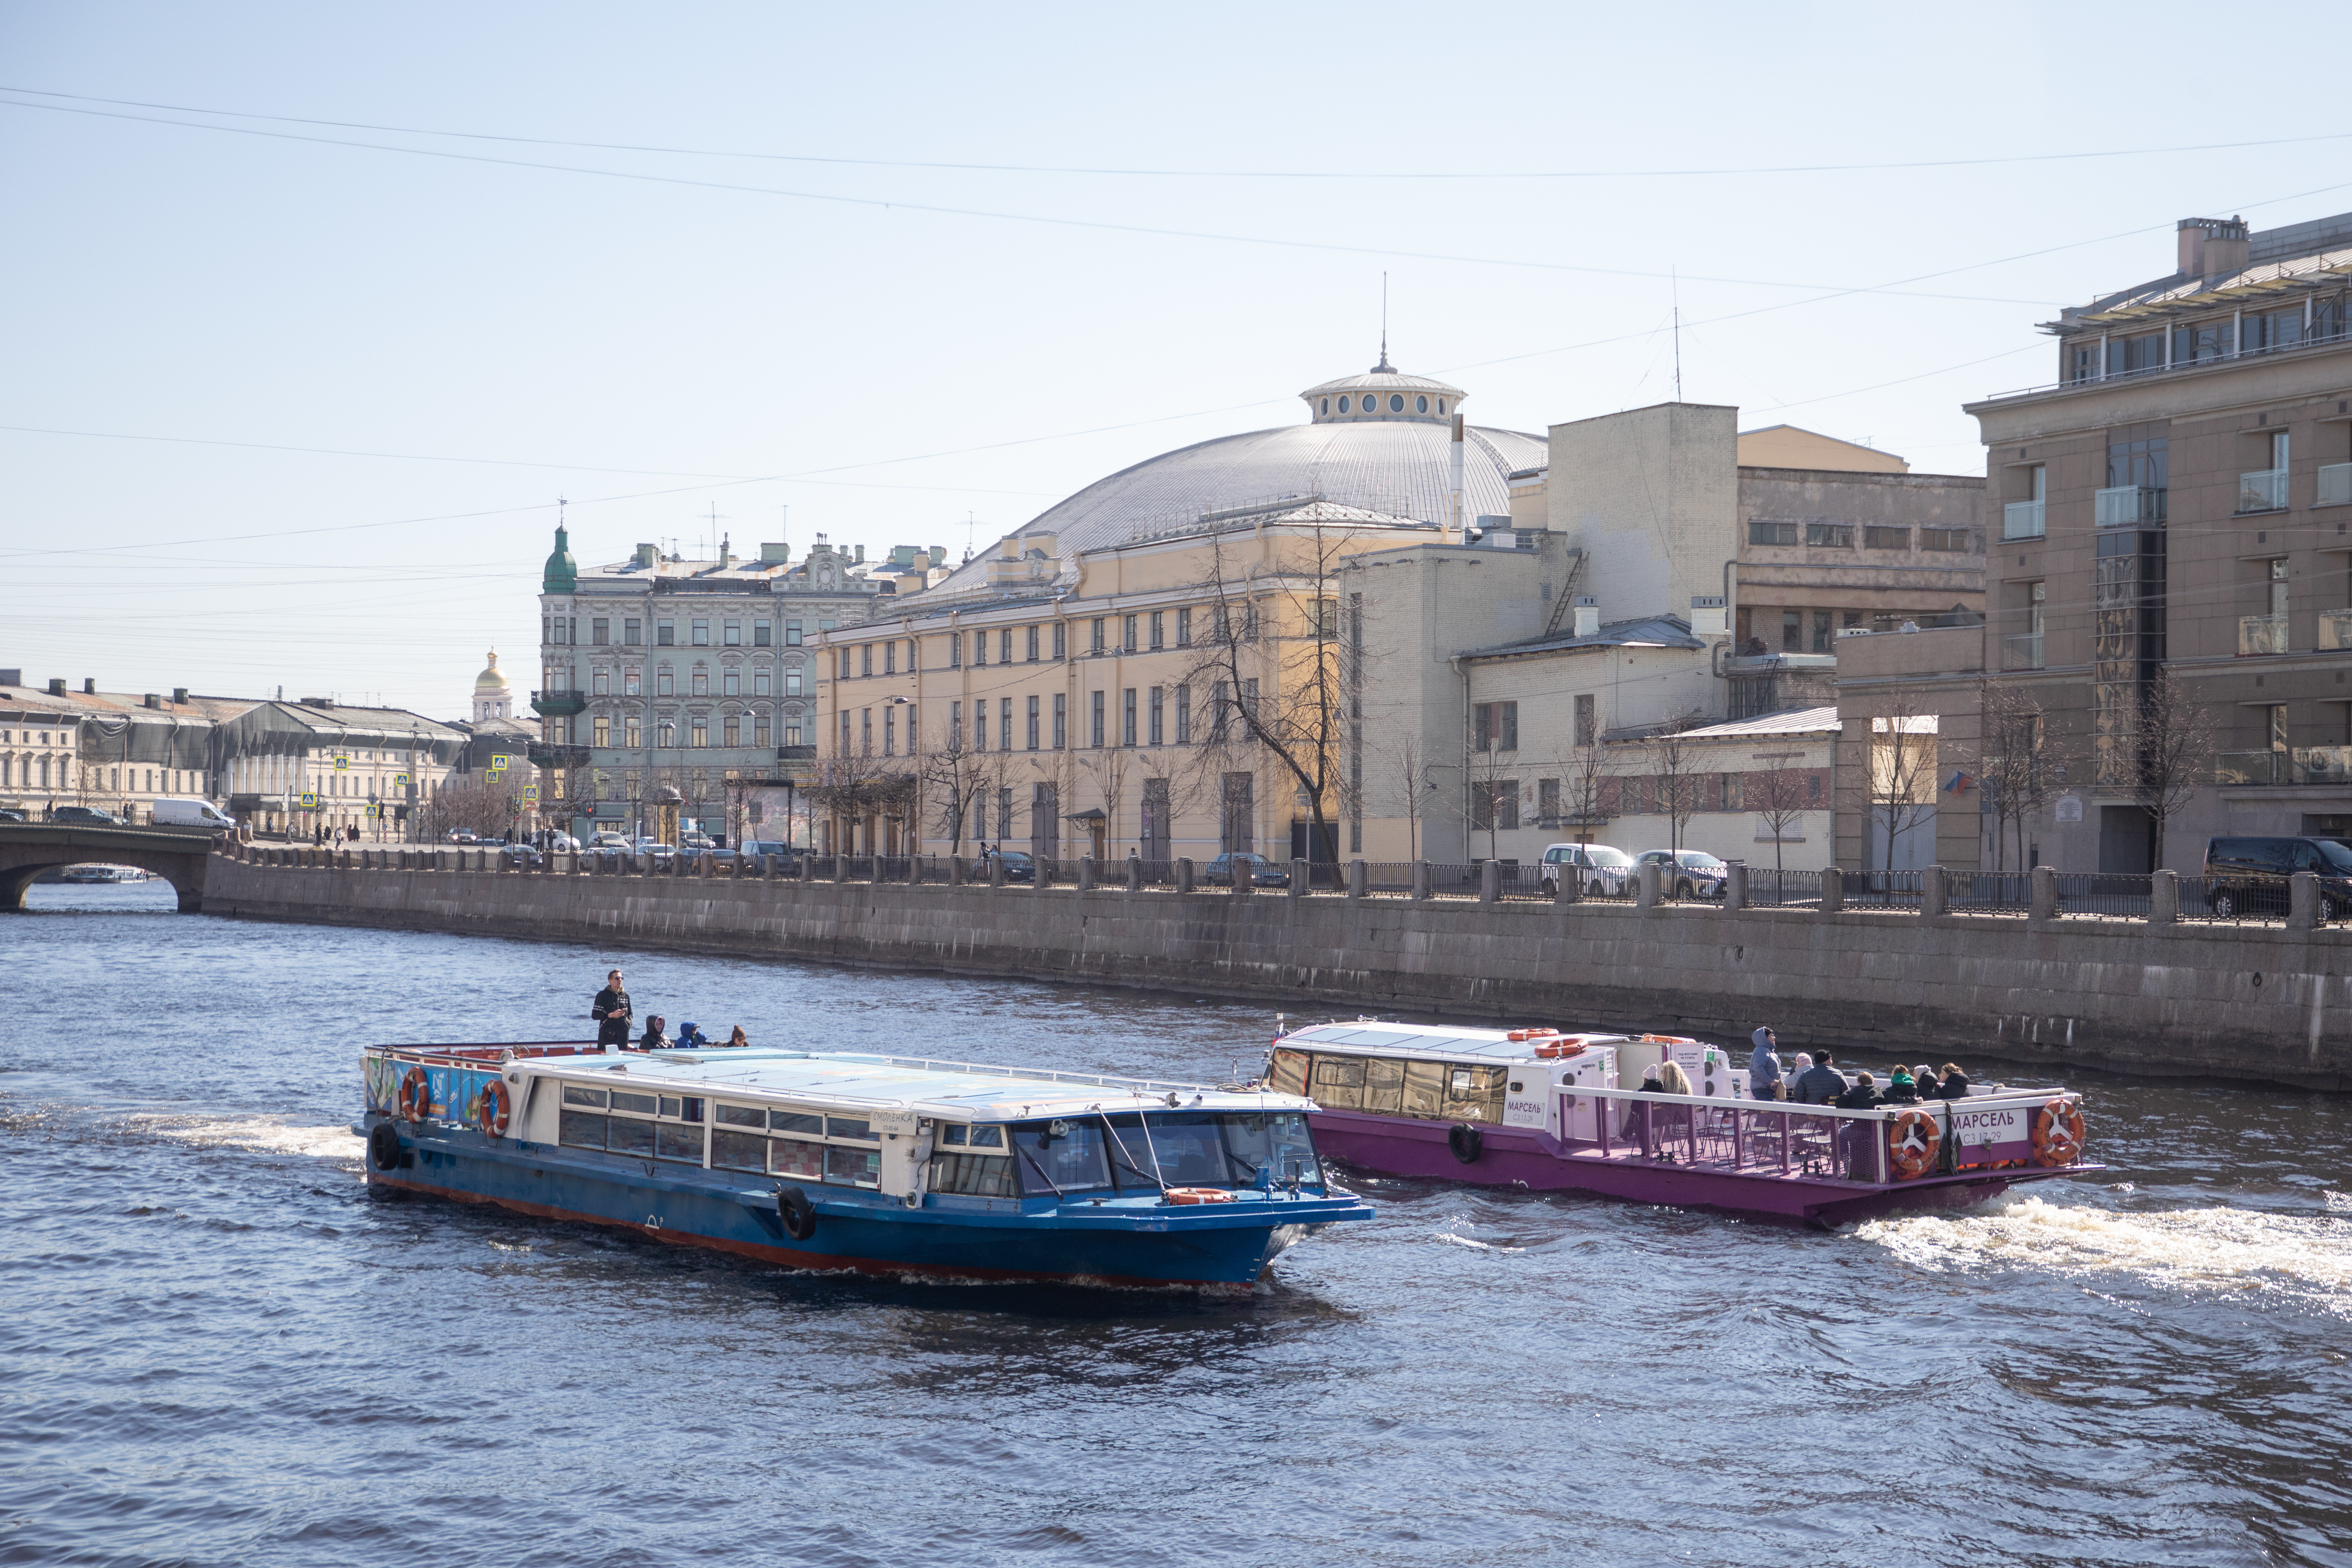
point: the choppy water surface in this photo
(214, 1348)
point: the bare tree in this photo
(2010, 764)
(1679, 784)
(484, 804)
(1588, 769)
(2173, 751)
(1778, 798)
(1494, 788)
(949, 777)
(854, 787)
(1407, 770)
(1902, 779)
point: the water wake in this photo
(252, 1135)
(2308, 1257)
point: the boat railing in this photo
(1762, 1137)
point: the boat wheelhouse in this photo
(844, 1161)
(1545, 1110)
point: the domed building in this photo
(493, 696)
(1381, 442)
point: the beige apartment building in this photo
(2175, 504)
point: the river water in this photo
(217, 1348)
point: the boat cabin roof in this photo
(952, 1090)
(1433, 1042)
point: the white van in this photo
(191, 813)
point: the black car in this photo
(2249, 876)
(522, 857)
(88, 814)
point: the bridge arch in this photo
(29, 848)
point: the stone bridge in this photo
(176, 855)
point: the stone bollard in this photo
(1242, 875)
(1302, 876)
(1567, 886)
(1421, 878)
(807, 869)
(1134, 874)
(2303, 901)
(767, 868)
(997, 870)
(1358, 881)
(1490, 882)
(1833, 891)
(1645, 897)
(1735, 886)
(2164, 898)
(955, 870)
(874, 869)
(1184, 874)
(1934, 892)
(1087, 871)
(2043, 900)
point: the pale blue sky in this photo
(640, 346)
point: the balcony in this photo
(2125, 506)
(2263, 490)
(2261, 634)
(2334, 485)
(2023, 519)
(2320, 765)
(2334, 629)
(558, 704)
(2022, 651)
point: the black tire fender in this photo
(799, 1215)
(383, 1146)
(1466, 1141)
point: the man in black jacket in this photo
(1819, 1084)
(611, 1010)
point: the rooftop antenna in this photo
(1674, 275)
(969, 525)
(1384, 368)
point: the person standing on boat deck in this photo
(1764, 1080)
(611, 1010)
(1822, 1084)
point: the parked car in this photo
(613, 841)
(191, 813)
(563, 844)
(787, 860)
(1694, 873)
(1263, 872)
(8, 816)
(88, 815)
(1020, 866)
(460, 835)
(1603, 870)
(2249, 876)
(522, 857)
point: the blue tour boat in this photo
(843, 1161)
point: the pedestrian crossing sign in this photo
(400, 780)
(343, 764)
(530, 791)
(310, 800)
(499, 762)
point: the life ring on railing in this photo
(1196, 1195)
(1552, 1050)
(497, 1107)
(2058, 1133)
(1531, 1034)
(1668, 1041)
(1912, 1140)
(1466, 1141)
(415, 1095)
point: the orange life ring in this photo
(496, 1109)
(1912, 1140)
(415, 1095)
(1668, 1041)
(2058, 1133)
(1531, 1034)
(1197, 1195)
(1552, 1050)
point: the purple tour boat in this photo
(1543, 1111)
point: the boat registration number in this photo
(1989, 1126)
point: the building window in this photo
(1159, 630)
(955, 726)
(979, 650)
(864, 659)
(1547, 803)
(759, 728)
(1127, 642)
(1588, 726)
(1156, 735)
(1034, 704)
(1830, 535)
(731, 731)
(664, 634)
(1033, 644)
(1184, 715)
(732, 632)
(601, 681)
(665, 734)
(2278, 588)
(664, 685)
(761, 633)
(701, 680)
(866, 732)
(1061, 639)
(601, 731)
(1876, 537)
(702, 633)
(1792, 631)
(792, 682)
(845, 731)
(1761, 532)
(2203, 342)
(1952, 541)
(1004, 724)
(1822, 631)
(731, 682)
(891, 657)
(1004, 645)
(1004, 815)
(1097, 645)
(2275, 726)
(760, 681)
(889, 731)
(632, 632)
(979, 725)
(1061, 719)
(1494, 726)
(1127, 716)
(600, 631)
(791, 734)
(1184, 628)
(637, 743)
(1095, 721)
(2127, 356)
(701, 729)
(791, 634)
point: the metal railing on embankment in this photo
(2040, 897)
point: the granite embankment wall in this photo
(2254, 1003)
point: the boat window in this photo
(974, 1175)
(642, 1104)
(1424, 1089)
(737, 1151)
(849, 1127)
(673, 1140)
(1071, 1159)
(741, 1116)
(581, 1130)
(623, 1135)
(1191, 1153)
(1130, 1156)
(857, 1167)
(953, 1134)
(1289, 1074)
(1340, 1081)
(794, 1121)
(672, 1106)
(1278, 1141)
(1475, 1094)
(791, 1157)
(1383, 1084)
(988, 1137)
(576, 1095)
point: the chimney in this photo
(57, 686)
(12, 678)
(775, 553)
(1588, 616)
(153, 700)
(178, 694)
(647, 554)
(2212, 246)
(1708, 617)
(861, 555)
(726, 552)
(90, 685)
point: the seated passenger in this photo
(739, 1038)
(1924, 1077)
(689, 1036)
(1954, 1085)
(1901, 1088)
(1651, 1081)
(654, 1040)
(1821, 1083)
(1862, 1096)
(1672, 1079)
